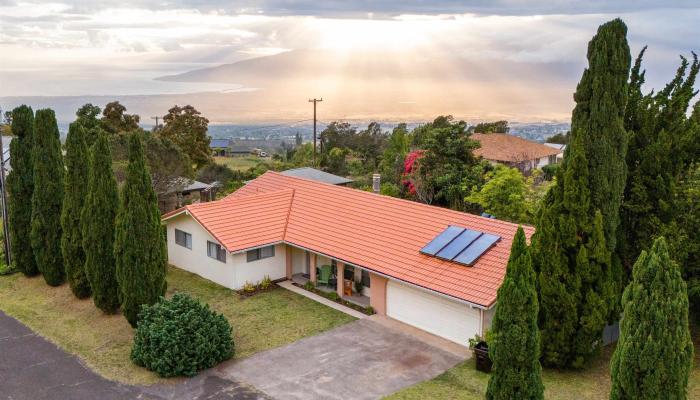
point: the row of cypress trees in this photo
(81, 230)
(654, 354)
(566, 286)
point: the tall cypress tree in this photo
(579, 281)
(20, 184)
(515, 346)
(654, 355)
(97, 223)
(575, 283)
(47, 198)
(75, 191)
(139, 246)
(601, 99)
(658, 145)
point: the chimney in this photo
(376, 183)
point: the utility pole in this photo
(156, 118)
(5, 225)
(315, 100)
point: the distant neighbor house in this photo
(243, 147)
(560, 147)
(433, 268)
(219, 146)
(317, 175)
(185, 191)
(514, 151)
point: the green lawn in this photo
(464, 382)
(103, 342)
(239, 163)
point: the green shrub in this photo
(180, 337)
(333, 296)
(249, 287)
(266, 283)
(550, 171)
(309, 286)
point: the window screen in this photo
(184, 239)
(259, 254)
(216, 252)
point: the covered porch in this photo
(304, 266)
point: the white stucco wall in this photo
(255, 271)
(234, 273)
(488, 319)
(196, 259)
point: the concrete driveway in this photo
(360, 360)
(32, 368)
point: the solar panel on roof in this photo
(477, 249)
(458, 244)
(442, 240)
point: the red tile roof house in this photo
(514, 151)
(284, 227)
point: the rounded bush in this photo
(180, 337)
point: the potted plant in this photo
(480, 348)
(358, 287)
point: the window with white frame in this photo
(184, 239)
(259, 254)
(216, 252)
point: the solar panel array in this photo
(461, 245)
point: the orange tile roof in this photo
(249, 222)
(509, 148)
(380, 233)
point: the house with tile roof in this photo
(433, 268)
(514, 151)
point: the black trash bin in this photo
(483, 362)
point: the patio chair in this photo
(324, 275)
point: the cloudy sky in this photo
(99, 47)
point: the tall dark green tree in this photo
(47, 197)
(654, 354)
(97, 223)
(579, 280)
(87, 119)
(139, 246)
(187, 128)
(514, 348)
(576, 290)
(658, 127)
(20, 185)
(73, 201)
(601, 98)
(447, 161)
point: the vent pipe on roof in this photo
(376, 183)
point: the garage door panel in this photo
(433, 313)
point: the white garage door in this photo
(433, 313)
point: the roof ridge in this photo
(350, 190)
(289, 212)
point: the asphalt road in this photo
(33, 368)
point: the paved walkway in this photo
(33, 368)
(360, 360)
(313, 296)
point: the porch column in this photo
(340, 275)
(288, 261)
(377, 290)
(312, 268)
